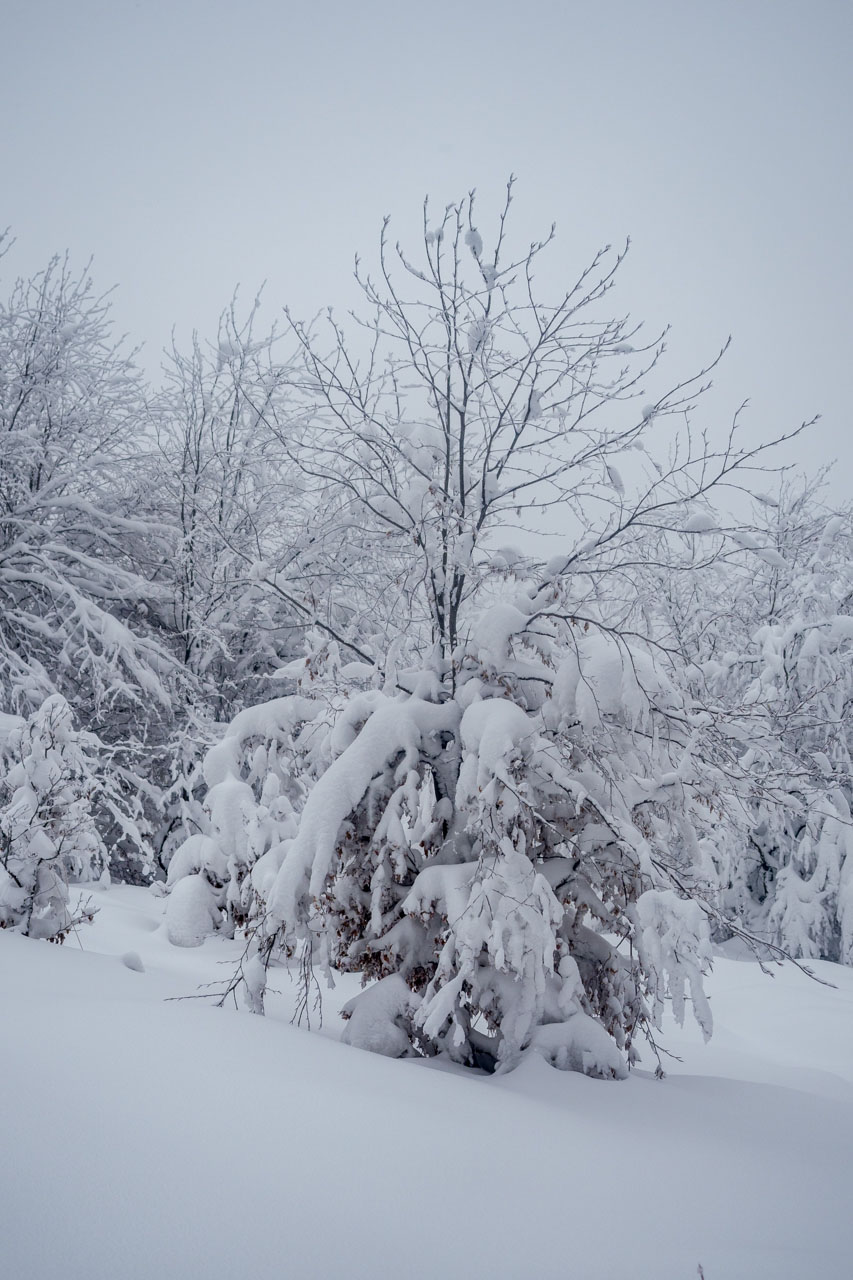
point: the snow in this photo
(374, 1018)
(496, 626)
(149, 1137)
(602, 677)
(675, 938)
(615, 479)
(701, 522)
(771, 557)
(478, 332)
(391, 728)
(445, 887)
(490, 731)
(8, 726)
(579, 1044)
(474, 241)
(191, 913)
(744, 539)
(275, 719)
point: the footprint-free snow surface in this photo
(145, 1137)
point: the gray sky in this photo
(195, 144)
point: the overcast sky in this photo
(196, 144)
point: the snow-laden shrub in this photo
(518, 857)
(48, 838)
(193, 911)
(248, 810)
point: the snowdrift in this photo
(147, 1137)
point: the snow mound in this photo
(191, 912)
(580, 1044)
(377, 1018)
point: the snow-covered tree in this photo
(48, 837)
(69, 410)
(767, 634)
(795, 881)
(510, 823)
(76, 587)
(225, 486)
(221, 487)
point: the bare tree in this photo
(465, 405)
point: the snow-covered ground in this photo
(144, 1137)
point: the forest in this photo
(456, 643)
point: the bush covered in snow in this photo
(48, 838)
(520, 854)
